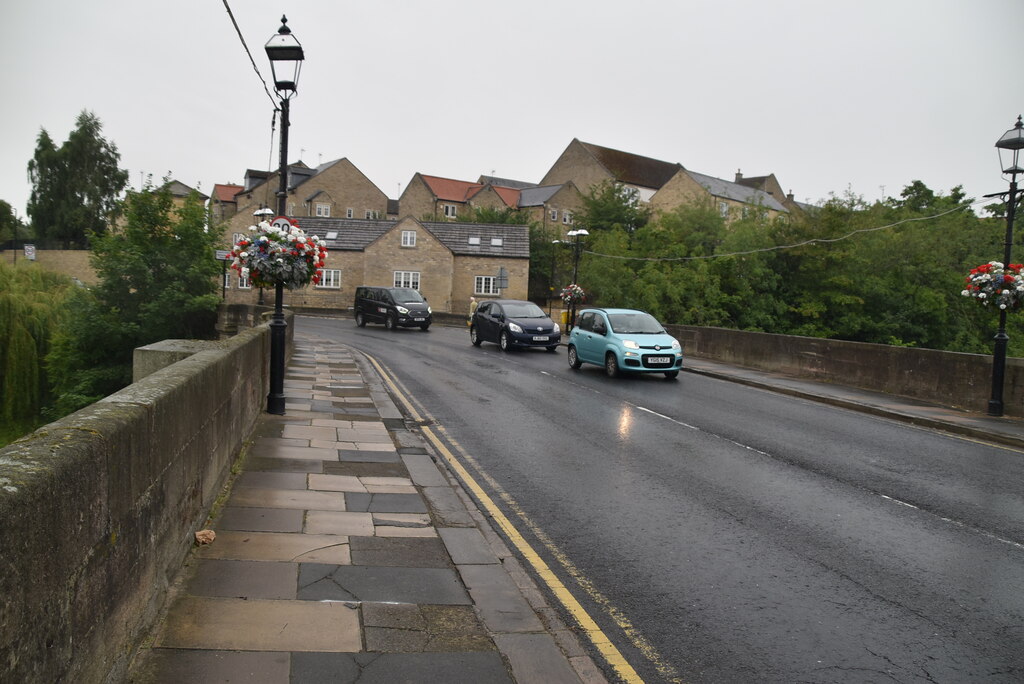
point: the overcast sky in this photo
(864, 96)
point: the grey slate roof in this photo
(357, 235)
(536, 197)
(505, 182)
(735, 191)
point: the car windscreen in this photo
(405, 295)
(523, 310)
(635, 323)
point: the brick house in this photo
(223, 204)
(664, 185)
(447, 262)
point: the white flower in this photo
(965, 293)
(1002, 306)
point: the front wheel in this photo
(474, 336)
(504, 342)
(672, 374)
(360, 321)
(574, 359)
(425, 327)
(391, 322)
(611, 365)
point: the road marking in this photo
(601, 642)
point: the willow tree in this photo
(31, 310)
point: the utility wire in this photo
(251, 60)
(794, 245)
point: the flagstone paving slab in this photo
(288, 498)
(385, 503)
(411, 628)
(290, 465)
(260, 519)
(410, 552)
(261, 625)
(389, 668)
(319, 582)
(262, 480)
(279, 546)
(244, 579)
(336, 483)
(332, 522)
(176, 666)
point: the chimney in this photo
(739, 175)
(789, 195)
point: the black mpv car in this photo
(513, 323)
(393, 306)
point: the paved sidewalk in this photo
(343, 553)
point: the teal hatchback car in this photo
(624, 340)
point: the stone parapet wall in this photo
(938, 377)
(98, 510)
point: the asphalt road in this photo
(726, 534)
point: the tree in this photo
(11, 226)
(75, 187)
(158, 280)
(611, 205)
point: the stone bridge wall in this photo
(939, 377)
(98, 509)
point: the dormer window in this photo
(497, 242)
(323, 209)
(474, 240)
(449, 210)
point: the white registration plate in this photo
(418, 320)
(659, 360)
(540, 338)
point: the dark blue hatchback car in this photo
(513, 323)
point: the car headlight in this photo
(676, 345)
(402, 310)
(630, 344)
(429, 310)
(515, 328)
(556, 330)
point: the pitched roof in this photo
(357, 235)
(633, 169)
(514, 238)
(179, 189)
(450, 189)
(737, 192)
(510, 196)
(537, 196)
(505, 182)
(225, 192)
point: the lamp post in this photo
(286, 56)
(575, 234)
(1009, 146)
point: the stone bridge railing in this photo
(98, 509)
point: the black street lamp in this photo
(577, 249)
(1009, 146)
(286, 58)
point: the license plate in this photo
(540, 338)
(419, 319)
(659, 360)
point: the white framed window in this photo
(350, 213)
(449, 210)
(407, 279)
(330, 278)
(485, 285)
(474, 240)
(243, 280)
(554, 214)
(323, 209)
(567, 217)
(723, 209)
(497, 242)
(408, 238)
(236, 237)
(227, 281)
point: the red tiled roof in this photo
(450, 189)
(509, 195)
(226, 193)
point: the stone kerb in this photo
(99, 508)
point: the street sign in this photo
(223, 255)
(282, 223)
(30, 252)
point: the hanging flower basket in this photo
(992, 284)
(270, 256)
(573, 294)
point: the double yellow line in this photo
(593, 632)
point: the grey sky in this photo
(829, 96)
